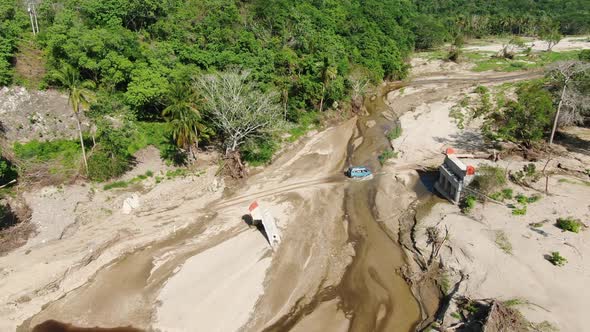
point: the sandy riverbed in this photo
(549, 293)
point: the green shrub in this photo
(456, 113)
(569, 224)
(556, 259)
(519, 212)
(110, 157)
(489, 178)
(497, 196)
(62, 158)
(534, 198)
(394, 133)
(150, 133)
(528, 172)
(306, 121)
(522, 199)
(149, 173)
(468, 203)
(486, 105)
(481, 90)
(445, 283)
(471, 307)
(117, 184)
(103, 165)
(584, 55)
(259, 151)
(502, 195)
(525, 120)
(176, 173)
(46, 151)
(386, 155)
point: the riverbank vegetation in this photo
(526, 115)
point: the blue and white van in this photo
(358, 172)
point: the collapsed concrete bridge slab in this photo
(454, 176)
(268, 223)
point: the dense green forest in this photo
(523, 17)
(137, 57)
(134, 50)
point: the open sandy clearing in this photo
(195, 295)
(566, 44)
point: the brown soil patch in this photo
(18, 226)
(15, 236)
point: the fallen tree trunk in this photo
(8, 184)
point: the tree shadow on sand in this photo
(573, 143)
(467, 140)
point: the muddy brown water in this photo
(55, 326)
(373, 293)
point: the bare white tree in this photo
(564, 74)
(575, 105)
(240, 109)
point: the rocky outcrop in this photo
(42, 115)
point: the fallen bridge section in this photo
(273, 234)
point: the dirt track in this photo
(338, 267)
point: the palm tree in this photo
(185, 118)
(79, 96)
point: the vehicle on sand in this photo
(358, 172)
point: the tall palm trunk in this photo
(557, 113)
(285, 101)
(322, 99)
(81, 141)
(196, 143)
